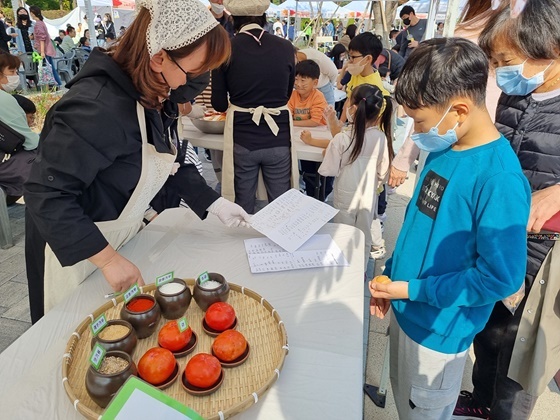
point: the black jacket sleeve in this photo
(192, 188)
(219, 90)
(5, 36)
(69, 159)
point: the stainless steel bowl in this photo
(209, 127)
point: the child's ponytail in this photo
(369, 102)
(387, 125)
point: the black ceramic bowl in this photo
(145, 322)
(174, 306)
(206, 297)
(101, 388)
(127, 343)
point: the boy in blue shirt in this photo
(462, 246)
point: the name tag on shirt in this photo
(431, 194)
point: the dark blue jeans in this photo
(55, 73)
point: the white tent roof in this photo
(357, 6)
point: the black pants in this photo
(310, 178)
(35, 266)
(493, 347)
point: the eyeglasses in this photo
(353, 57)
(178, 65)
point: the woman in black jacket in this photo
(104, 153)
(254, 87)
(518, 353)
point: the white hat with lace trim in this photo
(176, 23)
(247, 7)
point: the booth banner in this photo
(124, 4)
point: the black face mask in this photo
(406, 21)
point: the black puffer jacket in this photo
(533, 128)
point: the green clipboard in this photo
(150, 398)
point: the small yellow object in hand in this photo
(382, 279)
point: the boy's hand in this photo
(413, 44)
(379, 307)
(544, 204)
(305, 136)
(393, 290)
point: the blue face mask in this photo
(432, 141)
(512, 82)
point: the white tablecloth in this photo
(322, 310)
(216, 141)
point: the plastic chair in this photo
(30, 69)
(64, 66)
(6, 239)
(81, 57)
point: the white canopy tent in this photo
(449, 10)
(122, 16)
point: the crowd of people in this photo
(471, 266)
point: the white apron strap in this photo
(228, 177)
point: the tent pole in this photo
(431, 26)
(451, 18)
(91, 24)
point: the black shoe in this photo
(467, 406)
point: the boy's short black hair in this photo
(26, 104)
(534, 34)
(308, 68)
(366, 44)
(441, 69)
(407, 10)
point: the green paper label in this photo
(131, 293)
(97, 325)
(204, 277)
(164, 279)
(97, 355)
(183, 324)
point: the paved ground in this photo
(14, 308)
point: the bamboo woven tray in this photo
(258, 321)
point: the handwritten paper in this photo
(292, 219)
(319, 251)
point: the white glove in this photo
(197, 111)
(230, 214)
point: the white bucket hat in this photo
(247, 7)
(176, 23)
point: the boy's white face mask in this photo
(217, 8)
